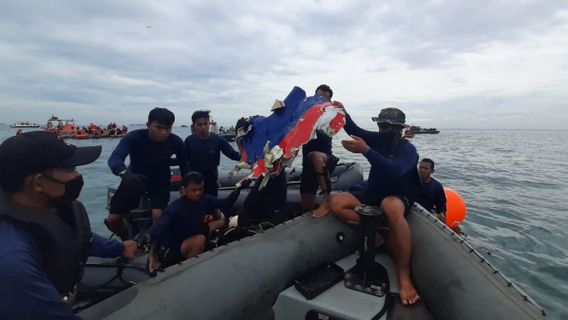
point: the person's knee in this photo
(197, 241)
(193, 246)
(393, 208)
(200, 242)
(118, 226)
(113, 220)
(318, 159)
(156, 214)
(342, 201)
(336, 202)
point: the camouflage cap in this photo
(391, 116)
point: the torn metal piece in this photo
(278, 104)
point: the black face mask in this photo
(388, 136)
(72, 190)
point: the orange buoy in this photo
(455, 208)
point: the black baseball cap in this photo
(37, 151)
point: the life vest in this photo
(62, 239)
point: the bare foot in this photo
(320, 212)
(153, 262)
(407, 292)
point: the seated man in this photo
(434, 196)
(392, 181)
(181, 232)
(45, 235)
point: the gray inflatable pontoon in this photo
(252, 279)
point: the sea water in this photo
(514, 182)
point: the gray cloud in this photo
(484, 64)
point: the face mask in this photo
(72, 190)
(387, 136)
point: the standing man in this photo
(393, 181)
(150, 152)
(204, 150)
(435, 198)
(45, 236)
(317, 164)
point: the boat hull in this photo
(243, 280)
(238, 281)
(24, 126)
(456, 281)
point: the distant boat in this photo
(228, 134)
(67, 129)
(24, 124)
(420, 130)
(64, 128)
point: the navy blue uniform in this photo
(322, 143)
(26, 292)
(204, 155)
(393, 167)
(151, 159)
(183, 219)
(435, 198)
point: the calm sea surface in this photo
(515, 184)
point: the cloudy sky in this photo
(449, 64)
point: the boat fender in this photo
(455, 208)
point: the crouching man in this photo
(182, 232)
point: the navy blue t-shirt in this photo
(204, 155)
(149, 158)
(435, 196)
(393, 167)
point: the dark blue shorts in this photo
(363, 197)
(122, 201)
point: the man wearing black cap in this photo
(150, 151)
(393, 183)
(45, 233)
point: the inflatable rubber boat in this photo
(301, 269)
(253, 279)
